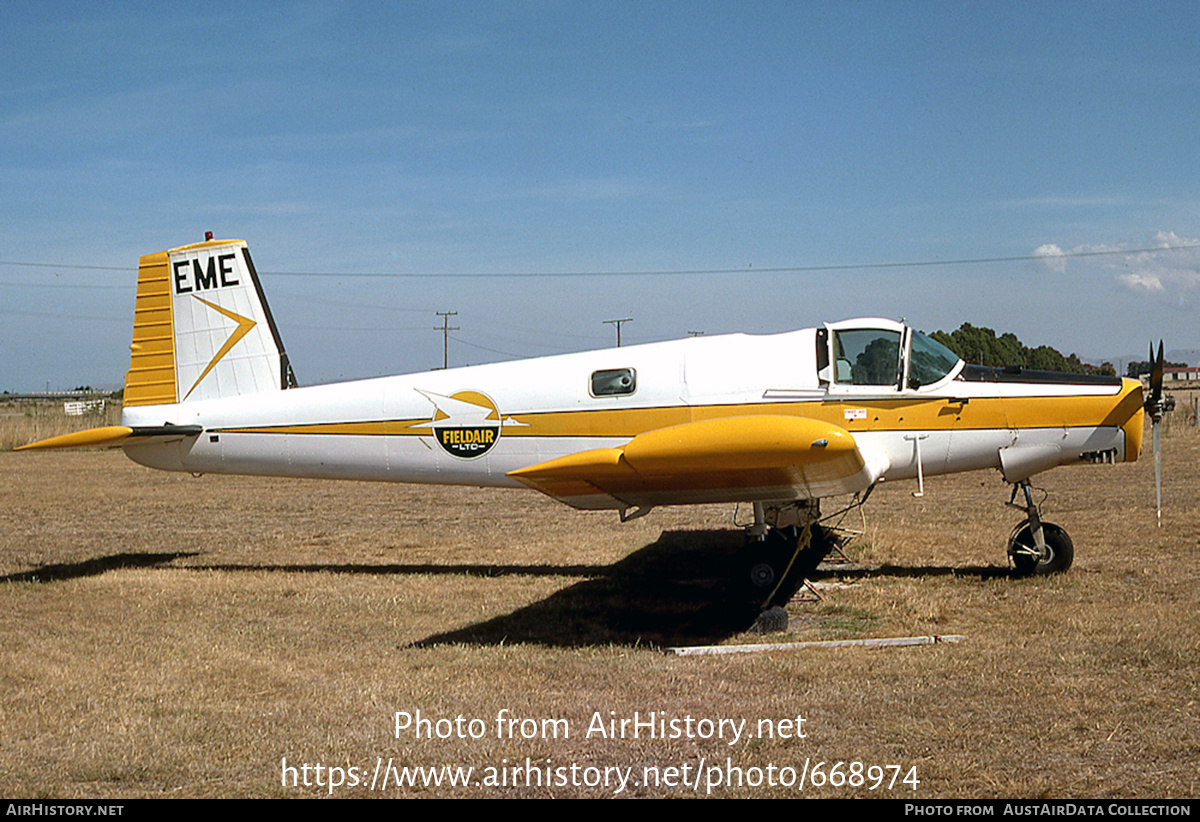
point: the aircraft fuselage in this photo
(475, 425)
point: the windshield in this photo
(929, 361)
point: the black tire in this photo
(769, 556)
(774, 620)
(767, 562)
(1060, 550)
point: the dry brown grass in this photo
(25, 422)
(171, 636)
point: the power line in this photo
(63, 265)
(461, 341)
(54, 316)
(73, 286)
(794, 269)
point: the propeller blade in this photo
(1156, 372)
(1156, 405)
(1155, 426)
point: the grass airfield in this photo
(169, 636)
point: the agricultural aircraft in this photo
(779, 421)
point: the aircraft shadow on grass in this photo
(674, 590)
(681, 589)
(60, 571)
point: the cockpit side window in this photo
(928, 361)
(868, 356)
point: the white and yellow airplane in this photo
(780, 421)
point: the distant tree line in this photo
(1139, 367)
(981, 346)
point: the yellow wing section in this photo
(92, 437)
(112, 435)
(730, 459)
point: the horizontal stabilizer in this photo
(111, 435)
(729, 459)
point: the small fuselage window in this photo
(613, 382)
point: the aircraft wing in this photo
(729, 459)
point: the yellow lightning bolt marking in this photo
(243, 328)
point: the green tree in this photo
(981, 346)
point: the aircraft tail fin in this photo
(202, 328)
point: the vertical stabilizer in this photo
(202, 328)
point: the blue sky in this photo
(452, 151)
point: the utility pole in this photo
(618, 323)
(446, 329)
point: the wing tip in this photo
(92, 437)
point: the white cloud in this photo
(1169, 239)
(1165, 263)
(1141, 282)
(1174, 270)
(1052, 257)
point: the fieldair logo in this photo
(466, 424)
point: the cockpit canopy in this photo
(878, 353)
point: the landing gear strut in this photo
(1037, 547)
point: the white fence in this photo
(78, 408)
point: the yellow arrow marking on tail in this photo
(244, 324)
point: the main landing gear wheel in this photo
(1029, 560)
(775, 569)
